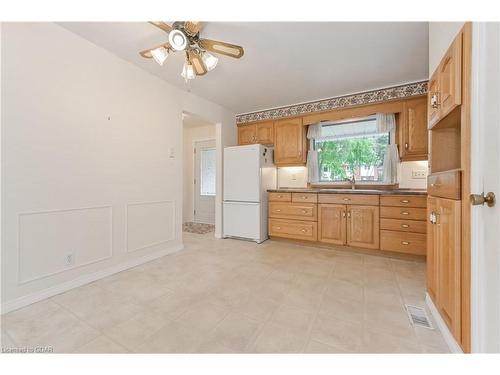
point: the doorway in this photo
(199, 174)
(204, 182)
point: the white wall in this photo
(441, 34)
(192, 134)
(86, 161)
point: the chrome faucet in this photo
(352, 180)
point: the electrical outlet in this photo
(418, 173)
(70, 259)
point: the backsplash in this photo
(412, 175)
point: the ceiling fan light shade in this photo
(177, 40)
(188, 71)
(160, 54)
(209, 60)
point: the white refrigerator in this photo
(249, 172)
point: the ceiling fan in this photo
(184, 36)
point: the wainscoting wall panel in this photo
(51, 242)
(149, 224)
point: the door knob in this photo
(480, 199)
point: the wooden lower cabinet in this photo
(295, 229)
(444, 265)
(351, 225)
(332, 220)
(363, 226)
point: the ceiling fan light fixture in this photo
(209, 60)
(160, 54)
(178, 40)
(188, 71)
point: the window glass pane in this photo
(352, 149)
(207, 169)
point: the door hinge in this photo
(194, 181)
(194, 212)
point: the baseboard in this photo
(60, 288)
(448, 337)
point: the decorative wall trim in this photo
(29, 299)
(368, 97)
(448, 337)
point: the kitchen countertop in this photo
(350, 191)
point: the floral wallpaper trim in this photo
(374, 96)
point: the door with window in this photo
(204, 181)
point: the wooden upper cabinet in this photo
(363, 225)
(247, 134)
(414, 133)
(332, 223)
(450, 73)
(448, 250)
(290, 144)
(432, 236)
(445, 85)
(265, 133)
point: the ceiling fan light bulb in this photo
(160, 54)
(188, 72)
(209, 60)
(178, 40)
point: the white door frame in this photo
(193, 197)
(485, 280)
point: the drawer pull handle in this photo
(278, 228)
(347, 199)
(405, 243)
(278, 210)
(343, 214)
(280, 196)
(436, 185)
(304, 197)
(405, 201)
(304, 211)
(405, 225)
(404, 213)
(303, 231)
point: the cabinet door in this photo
(433, 99)
(247, 134)
(289, 142)
(448, 250)
(414, 130)
(450, 78)
(265, 133)
(432, 246)
(363, 226)
(332, 223)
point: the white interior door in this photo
(485, 177)
(204, 181)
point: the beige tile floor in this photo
(227, 296)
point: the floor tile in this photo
(341, 334)
(236, 331)
(278, 338)
(101, 344)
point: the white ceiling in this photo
(284, 63)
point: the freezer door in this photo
(242, 219)
(242, 173)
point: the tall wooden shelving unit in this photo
(449, 187)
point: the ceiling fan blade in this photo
(198, 64)
(193, 27)
(147, 52)
(228, 49)
(162, 25)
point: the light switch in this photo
(418, 173)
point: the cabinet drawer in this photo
(404, 201)
(301, 230)
(367, 200)
(298, 211)
(405, 213)
(411, 243)
(444, 184)
(280, 197)
(305, 197)
(404, 225)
